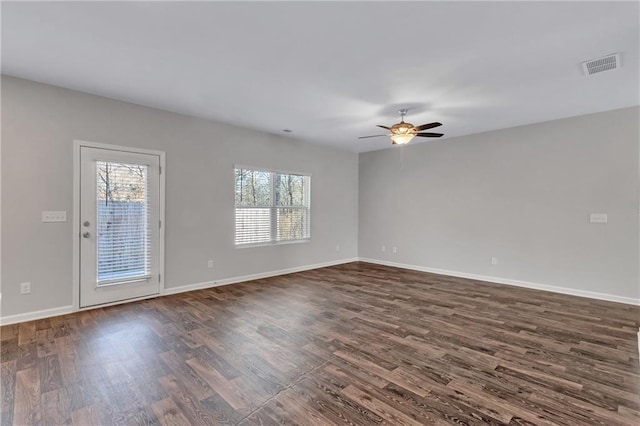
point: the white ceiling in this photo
(331, 71)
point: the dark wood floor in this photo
(353, 344)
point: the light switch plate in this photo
(598, 218)
(54, 216)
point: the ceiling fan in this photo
(402, 133)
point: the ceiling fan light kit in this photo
(401, 139)
(402, 133)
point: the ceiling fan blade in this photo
(428, 126)
(430, 135)
(384, 127)
(373, 136)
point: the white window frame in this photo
(273, 207)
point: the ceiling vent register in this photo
(606, 63)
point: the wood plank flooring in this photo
(355, 344)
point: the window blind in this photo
(124, 232)
(271, 207)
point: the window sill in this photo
(277, 243)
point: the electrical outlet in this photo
(337, 247)
(210, 264)
(25, 288)
(394, 249)
(494, 260)
(383, 248)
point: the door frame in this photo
(77, 145)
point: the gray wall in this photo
(39, 124)
(522, 195)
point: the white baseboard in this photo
(512, 282)
(63, 310)
(35, 315)
(243, 278)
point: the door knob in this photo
(86, 235)
(86, 223)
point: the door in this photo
(119, 225)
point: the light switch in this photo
(598, 218)
(54, 216)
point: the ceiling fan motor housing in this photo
(403, 128)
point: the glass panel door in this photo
(119, 230)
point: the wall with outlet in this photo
(552, 203)
(39, 124)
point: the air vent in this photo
(606, 63)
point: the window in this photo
(122, 223)
(271, 207)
